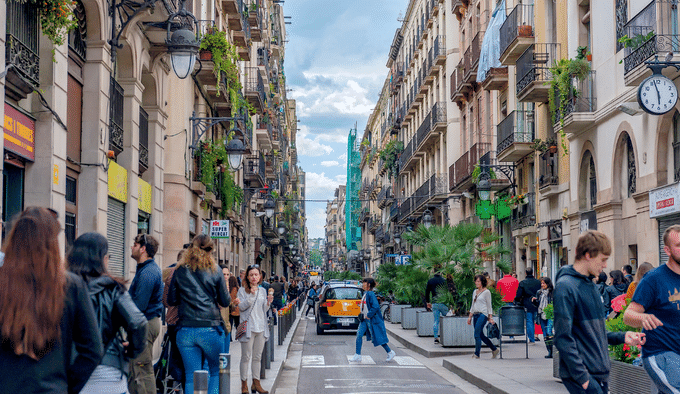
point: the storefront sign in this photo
(19, 133)
(219, 229)
(144, 196)
(118, 181)
(664, 201)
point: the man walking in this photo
(525, 291)
(627, 272)
(580, 334)
(433, 289)
(146, 291)
(656, 308)
(507, 286)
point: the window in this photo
(70, 228)
(592, 185)
(621, 19)
(143, 141)
(631, 184)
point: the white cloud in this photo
(311, 147)
(320, 183)
(331, 163)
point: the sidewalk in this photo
(273, 374)
(514, 374)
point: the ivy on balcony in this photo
(390, 155)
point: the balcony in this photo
(432, 191)
(234, 10)
(517, 33)
(21, 49)
(394, 212)
(471, 58)
(524, 216)
(397, 77)
(654, 31)
(385, 197)
(264, 134)
(533, 72)
(459, 88)
(255, 170)
(515, 136)
(254, 88)
(459, 8)
(406, 154)
(255, 17)
(548, 178)
(405, 209)
(579, 112)
(463, 167)
(116, 116)
(496, 79)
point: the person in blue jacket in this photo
(372, 320)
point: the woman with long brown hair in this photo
(199, 288)
(45, 312)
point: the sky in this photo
(335, 64)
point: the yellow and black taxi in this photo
(338, 307)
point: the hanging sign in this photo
(219, 229)
(19, 133)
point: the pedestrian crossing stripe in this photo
(313, 360)
(319, 361)
(365, 360)
(405, 360)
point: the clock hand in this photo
(658, 95)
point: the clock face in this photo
(657, 95)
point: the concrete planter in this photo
(408, 318)
(395, 313)
(455, 332)
(424, 324)
(626, 378)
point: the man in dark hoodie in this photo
(432, 291)
(525, 291)
(580, 334)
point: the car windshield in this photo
(344, 293)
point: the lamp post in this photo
(427, 218)
(484, 185)
(269, 206)
(235, 150)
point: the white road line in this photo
(365, 360)
(406, 360)
(357, 365)
(312, 360)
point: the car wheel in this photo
(319, 330)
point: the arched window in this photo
(587, 183)
(629, 161)
(78, 36)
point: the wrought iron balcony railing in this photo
(525, 214)
(522, 15)
(22, 35)
(535, 63)
(116, 116)
(465, 165)
(548, 169)
(516, 127)
(581, 98)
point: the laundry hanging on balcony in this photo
(489, 56)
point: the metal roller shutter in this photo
(664, 223)
(115, 233)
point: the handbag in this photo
(241, 329)
(492, 331)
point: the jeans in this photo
(196, 344)
(660, 369)
(437, 311)
(479, 321)
(531, 318)
(594, 387)
(364, 328)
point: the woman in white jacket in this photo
(253, 303)
(481, 312)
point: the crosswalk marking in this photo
(365, 360)
(405, 360)
(313, 360)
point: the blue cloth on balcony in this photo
(491, 45)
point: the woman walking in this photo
(225, 311)
(544, 296)
(312, 294)
(481, 312)
(45, 313)
(642, 270)
(618, 287)
(254, 303)
(372, 321)
(114, 309)
(234, 318)
(199, 288)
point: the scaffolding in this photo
(353, 204)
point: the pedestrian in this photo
(544, 296)
(146, 291)
(198, 288)
(311, 299)
(627, 272)
(278, 287)
(525, 290)
(656, 308)
(641, 272)
(292, 291)
(234, 312)
(175, 364)
(481, 312)
(371, 321)
(490, 283)
(436, 287)
(507, 287)
(618, 287)
(225, 312)
(45, 313)
(114, 310)
(241, 277)
(580, 334)
(254, 303)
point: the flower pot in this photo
(525, 31)
(395, 313)
(627, 378)
(205, 55)
(589, 57)
(552, 149)
(425, 324)
(408, 318)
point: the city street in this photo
(319, 363)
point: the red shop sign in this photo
(19, 133)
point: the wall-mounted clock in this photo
(657, 95)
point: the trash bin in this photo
(513, 323)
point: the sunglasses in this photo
(254, 266)
(141, 241)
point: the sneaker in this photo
(494, 353)
(355, 359)
(390, 355)
(475, 356)
(436, 340)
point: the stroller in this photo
(168, 365)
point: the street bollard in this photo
(270, 343)
(264, 362)
(280, 327)
(225, 373)
(201, 382)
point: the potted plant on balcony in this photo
(224, 57)
(551, 145)
(525, 30)
(56, 19)
(563, 90)
(538, 145)
(390, 155)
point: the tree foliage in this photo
(315, 257)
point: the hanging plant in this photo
(562, 89)
(56, 18)
(390, 155)
(477, 171)
(224, 57)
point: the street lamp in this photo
(182, 46)
(484, 185)
(427, 218)
(397, 238)
(235, 150)
(281, 228)
(269, 206)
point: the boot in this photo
(244, 387)
(257, 388)
(549, 346)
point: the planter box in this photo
(395, 313)
(629, 379)
(425, 324)
(455, 332)
(408, 318)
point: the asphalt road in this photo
(325, 367)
